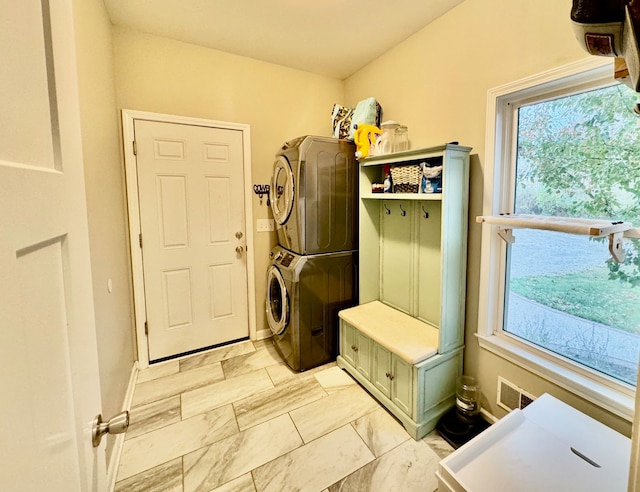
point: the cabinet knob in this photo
(354, 348)
(389, 375)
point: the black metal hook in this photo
(261, 190)
(403, 211)
(386, 210)
(425, 213)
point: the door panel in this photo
(402, 385)
(382, 369)
(50, 384)
(219, 191)
(221, 288)
(348, 342)
(177, 297)
(191, 192)
(172, 211)
(363, 355)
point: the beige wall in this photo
(160, 75)
(436, 82)
(105, 203)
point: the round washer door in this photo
(277, 301)
(281, 191)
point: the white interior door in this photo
(191, 202)
(49, 378)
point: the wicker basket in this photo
(406, 179)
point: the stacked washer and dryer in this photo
(313, 270)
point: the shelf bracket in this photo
(615, 246)
(506, 235)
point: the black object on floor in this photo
(458, 429)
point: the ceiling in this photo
(327, 37)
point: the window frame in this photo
(499, 192)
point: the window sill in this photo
(610, 396)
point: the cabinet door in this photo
(402, 384)
(381, 369)
(363, 354)
(348, 343)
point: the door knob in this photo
(239, 235)
(115, 425)
(239, 249)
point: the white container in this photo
(548, 446)
(386, 142)
(401, 139)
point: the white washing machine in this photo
(314, 195)
(304, 295)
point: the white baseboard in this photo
(489, 417)
(262, 334)
(116, 451)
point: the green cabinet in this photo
(417, 393)
(393, 377)
(413, 258)
(355, 347)
(413, 246)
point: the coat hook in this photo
(426, 214)
(404, 212)
(386, 210)
(261, 190)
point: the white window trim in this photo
(610, 394)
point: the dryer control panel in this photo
(283, 257)
(287, 259)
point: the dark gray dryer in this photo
(314, 195)
(304, 295)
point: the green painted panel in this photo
(429, 268)
(381, 369)
(396, 255)
(402, 385)
(347, 342)
(363, 354)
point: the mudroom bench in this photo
(395, 357)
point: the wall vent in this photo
(511, 397)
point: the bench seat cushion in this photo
(407, 337)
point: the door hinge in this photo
(140, 240)
(146, 328)
(135, 148)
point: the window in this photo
(566, 144)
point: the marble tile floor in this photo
(238, 419)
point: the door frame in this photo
(131, 177)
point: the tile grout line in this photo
(312, 379)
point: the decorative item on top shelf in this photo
(343, 118)
(394, 138)
(406, 179)
(431, 178)
(386, 142)
(402, 139)
(366, 138)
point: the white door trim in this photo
(131, 173)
